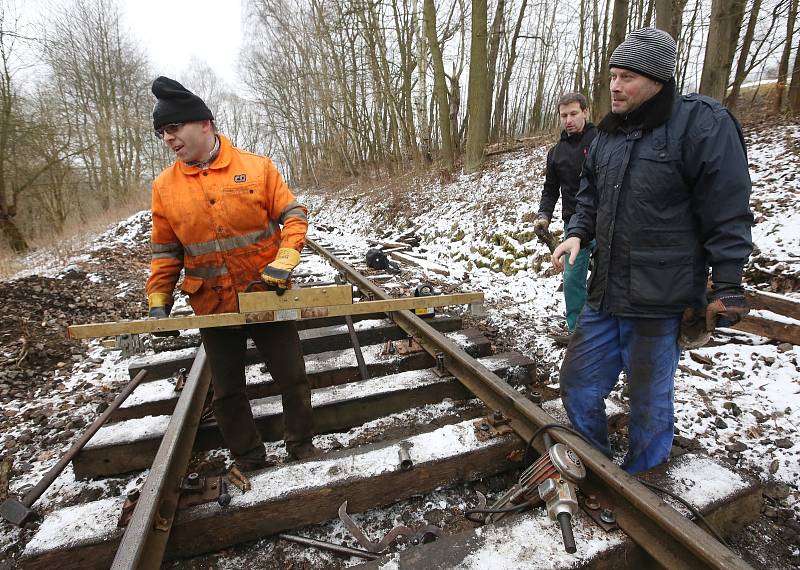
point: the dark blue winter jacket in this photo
(564, 162)
(665, 192)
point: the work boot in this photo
(306, 450)
(246, 464)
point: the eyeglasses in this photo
(169, 129)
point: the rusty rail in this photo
(642, 514)
(145, 539)
(19, 512)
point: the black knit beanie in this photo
(176, 104)
(649, 52)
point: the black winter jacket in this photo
(665, 191)
(564, 162)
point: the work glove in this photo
(160, 305)
(726, 307)
(693, 332)
(278, 272)
(541, 228)
(541, 224)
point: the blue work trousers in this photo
(575, 284)
(603, 345)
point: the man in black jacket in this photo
(665, 193)
(563, 171)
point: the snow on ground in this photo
(743, 407)
(44, 263)
(480, 227)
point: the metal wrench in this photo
(427, 534)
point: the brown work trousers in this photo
(279, 345)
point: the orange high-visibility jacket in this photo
(221, 226)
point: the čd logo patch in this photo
(240, 178)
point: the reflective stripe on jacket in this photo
(222, 226)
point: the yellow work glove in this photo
(278, 272)
(159, 305)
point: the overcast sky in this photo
(172, 32)
(175, 31)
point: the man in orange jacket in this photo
(226, 218)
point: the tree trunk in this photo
(664, 16)
(578, 85)
(783, 67)
(11, 233)
(648, 17)
(498, 25)
(684, 49)
(422, 95)
(439, 85)
(741, 66)
(794, 88)
(455, 108)
(502, 95)
(602, 95)
(478, 127)
(723, 33)
(597, 58)
(669, 16)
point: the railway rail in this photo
(157, 529)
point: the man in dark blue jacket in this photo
(564, 162)
(665, 193)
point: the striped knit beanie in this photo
(649, 52)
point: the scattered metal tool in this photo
(237, 478)
(19, 512)
(404, 456)
(427, 534)
(338, 548)
(224, 498)
(552, 478)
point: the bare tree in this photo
(783, 66)
(601, 99)
(439, 86)
(478, 127)
(421, 100)
(498, 28)
(794, 88)
(741, 66)
(723, 33)
(9, 132)
(669, 15)
(102, 82)
(500, 127)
